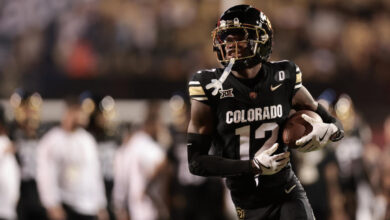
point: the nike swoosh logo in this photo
(273, 88)
(287, 191)
(322, 138)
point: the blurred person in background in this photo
(9, 174)
(25, 132)
(141, 173)
(189, 194)
(102, 125)
(358, 193)
(120, 190)
(239, 110)
(318, 172)
(68, 175)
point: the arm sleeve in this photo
(328, 118)
(202, 164)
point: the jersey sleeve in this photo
(298, 77)
(197, 90)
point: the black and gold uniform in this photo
(249, 116)
(243, 117)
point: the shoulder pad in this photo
(203, 77)
(293, 73)
(198, 82)
(283, 64)
(293, 70)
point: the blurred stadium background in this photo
(148, 49)
(140, 50)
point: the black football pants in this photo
(293, 205)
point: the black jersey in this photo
(248, 119)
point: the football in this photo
(296, 127)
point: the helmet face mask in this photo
(248, 33)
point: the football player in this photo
(240, 110)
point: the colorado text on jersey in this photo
(254, 114)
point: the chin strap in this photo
(216, 84)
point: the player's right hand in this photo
(318, 138)
(268, 164)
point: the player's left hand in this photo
(318, 137)
(268, 164)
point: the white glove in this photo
(267, 164)
(318, 137)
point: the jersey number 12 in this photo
(244, 133)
